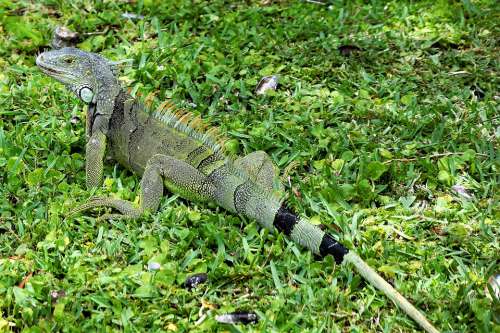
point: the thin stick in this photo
(429, 156)
(377, 281)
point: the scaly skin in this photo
(171, 150)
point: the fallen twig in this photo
(317, 2)
(25, 280)
(429, 156)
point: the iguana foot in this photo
(126, 208)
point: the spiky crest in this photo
(195, 127)
(191, 125)
(149, 98)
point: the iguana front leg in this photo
(178, 176)
(95, 150)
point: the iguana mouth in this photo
(50, 70)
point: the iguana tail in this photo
(323, 244)
(255, 200)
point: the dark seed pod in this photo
(195, 280)
(56, 294)
(132, 16)
(461, 191)
(266, 83)
(494, 286)
(347, 50)
(478, 92)
(63, 37)
(75, 120)
(238, 318)
(12, 199)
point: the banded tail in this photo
(250, 194)
(323, 244)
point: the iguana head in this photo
(86, 74)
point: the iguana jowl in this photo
(172, 149)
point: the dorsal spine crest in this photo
(191, 125)
(196, 128)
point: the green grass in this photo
(378, 138)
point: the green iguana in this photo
(172, 149)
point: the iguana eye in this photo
(68, 60)
(86, 94)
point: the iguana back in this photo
(136, 134)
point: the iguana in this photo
(171, 148)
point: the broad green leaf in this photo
(375, 169)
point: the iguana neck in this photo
(101, 109)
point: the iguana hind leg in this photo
(260, 166)
(178, 176)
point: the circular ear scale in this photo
(86, 94)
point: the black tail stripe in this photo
(331, 246)
(241, 195)
(285, 220)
